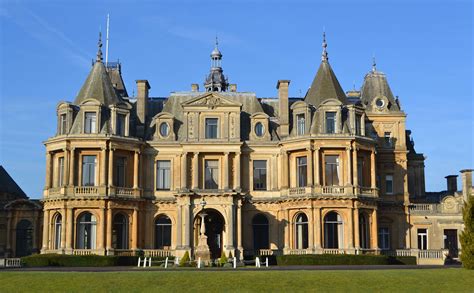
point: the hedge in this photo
(343, 259)
(61, 260)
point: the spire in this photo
(99, 51)
(216, 81)
(374, 68)
(324, 56)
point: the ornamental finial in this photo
(324, 56)
(99, 51)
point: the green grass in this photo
(426, 280)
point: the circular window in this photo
(164, 129)
(259, 129)
(379, 103)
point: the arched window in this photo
(333, 231)
(24, 238)
(57, 231)
(120, 232)
(364, 231)
(162, 232)
(86, 231)
(301, 231)
(260, 232)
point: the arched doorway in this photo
(120, 232)
(24, 238)
(86, 231)
(214, 231)
(162, 232)
(261, 238)
(333, 230)
(301, 231)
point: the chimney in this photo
(283, 108)
(466, 176)
(142, 99)
(233, 87)
(195, 87)
(452, 182)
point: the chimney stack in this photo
(466, 176)
(195, 87)
(452, 183)
(142, 100)
(233, 87)
(283, 108)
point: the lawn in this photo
(426, 280)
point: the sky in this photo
(424, 48)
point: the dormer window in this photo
(300, 124)
(164, 129)
(358, 127)
(211, 127)
(90, 119)
(121, 118)
(62, 124)
(330, 122)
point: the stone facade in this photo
(332, 172)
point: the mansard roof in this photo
(325, 86)
(376, 85)
(98, 86)
(9, 186)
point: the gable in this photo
(211, 100)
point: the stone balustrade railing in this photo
(124, 252)
(10, 262)
(423, 208)
(84, 252)
(158, 252)
(86, 190)
(333, 190)
(267, 252)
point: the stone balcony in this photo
(93, 191)
(331, 191)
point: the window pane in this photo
(121, 124)
(90, 122)
(211, 174)
(330, 122)
(211, 127)
(301, 171)
(163, 174)
(120, 171)
(260, 175)
(358, 128)
(300, 121)
(60, 171)
(389, 184)
(331, 170)
(62, 125)
(88, 170)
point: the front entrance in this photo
(214, 231)
(24, 238)
(451, 241)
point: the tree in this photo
(223, 259)
(184, 261)
(467, 236)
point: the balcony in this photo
(423, 208)
(334, 190)
(158, 252)
(124, 192)
(92, 191)
(330, 190)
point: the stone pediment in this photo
(211, 100)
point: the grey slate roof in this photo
(325, 86)
(98, 86)
(8, 185)
(376, 85)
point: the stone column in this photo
(355, 215)
(309, 167)
(237, 171)
(69, 229)
(63, 228)
(317, 176)
(65, 169)
(317, 229)
(71, 170)
(183, 171)
(187, 224)
(287, 230)
(374, 232)
(135, 169)
(103, 167)
(230, 226)
(355, 170)
(108, 242)
(350, 225)
(239, 228)
(311, 228)
(195, 171)
(226, 171)
(47, 184)
(348, 164)
(111, 168)
(45, 230)
(372, 170)
(148, 230)
(102, 230)
(179, 228)
(284, 170)
(135, 229)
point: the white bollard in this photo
(235, 262)
(166, 263)
(266, 262)
(176, 260)
(199, 263)
(144, 262)
(257, 262)
(149, 262)
(139, 260)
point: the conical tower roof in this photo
(325, 85)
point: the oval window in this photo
(164, 129)
(380, 103)
(259, 129)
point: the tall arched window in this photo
(333, 231)
(260, 232)
(24, 238)
(162, 232)
(364, 231)
(57, 231)
(301, 231)
(120, 232)
(86, 231)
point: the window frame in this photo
(162, 171)
(333, 122)
(301, 176)
(206, 174)
(94, 170)
(90, 128)
(387, 191)
(207, 134)
(300, 124)
(256, 179)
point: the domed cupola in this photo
(216, 80)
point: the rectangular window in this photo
(62, 124)
(330, 122)
(260, 175)
(387, 136)
(163, 175)
(90, 122)
(301, 171)
(358, 127)
(121, 118)
(211, 177)
(120, 163)
(300, 124)
(88, 170)
(384, 239)
(360, 171)
(422, 239)
(331, 170)
(60, 171)
(389, 184)
(211, 127)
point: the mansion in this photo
(227, 171)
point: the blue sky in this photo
(424, 47)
